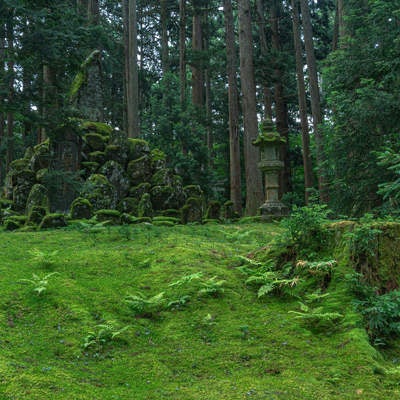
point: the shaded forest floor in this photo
(191, 328)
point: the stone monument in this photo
(270, 164)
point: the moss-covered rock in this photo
(51, 221)
(117, 176)
(38, 197)
(158, 159)
(171, 212)
(99, 191)
(192, 211)
(138, 191)
(213, 210)
(98, 157)
(95, 141)
(41, 174)
(97, 127)
(14, 222)
(36, 215)
(145, 208)
(170, 220)
(41, 156)
(128, 205)
(193, 191)
(81, 208)
(89, 167)
(137, 148)
(164, 177)
(167, 197)
(113, 217)
(19, 165)
(115, 152)
(139, 170)
(228, 212)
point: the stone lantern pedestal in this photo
(270, 164)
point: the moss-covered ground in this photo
(231, 345)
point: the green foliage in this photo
(39, 284)
(144, 306)
(187, 279)
(43, 258)
(212, 287)
(305, 228)
(103, 335)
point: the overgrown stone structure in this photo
(270, 164)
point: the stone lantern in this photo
(269, 141)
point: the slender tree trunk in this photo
(197, 70)
(131, 69)
(93, 12)
(2, 91)
(10, 94)
(182, 51)
(282, 125)
(305, 136)
(315, 98)
(233, 99)
(267, 95)
(164, 36)
(254, 186)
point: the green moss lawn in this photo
(210, 337)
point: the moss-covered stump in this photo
(128, 205)
(14, 222)
(99, 191)
(117, 176)
(36, 215)
(213, 210)
(140, 170)
(112, 217)
(38, 197)
(81, 208)
(145, 208)
(51, 221)
(192, 211)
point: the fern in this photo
(39, 284)
(187, 279)
(141, 305)
(103, 335)
(212, 287)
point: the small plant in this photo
(39, 284)
(245, 332)
(179, 302)
(44, 259)
(212, 287)
(187, 279)
(93, 229)
(145, 306)
(317, 318)
(103, 335)
(144, 264)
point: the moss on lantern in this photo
(268, 134)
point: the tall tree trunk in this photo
(197, 47)
(2, 97)
(131, 69)
(315, 99)
(93, 12)
(164, 15)
(10, 94)
(305, 136)
(282, 125)
(254, 186)
(233, 99)
(182, 51)
(267, 95)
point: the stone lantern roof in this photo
(268, 135)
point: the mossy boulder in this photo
(14, 222)
(95, 141)
(165, 221)
(145, 207)
(171, 212)
(139, 170)
(97, 127)
(19, 165)
(193, 191)
(137, 148)
(41, 156)
(116, 152)
(128, 205)
(81, 208)
(51, 221)
(158, 159)
(167, 197)
(228, 212)
(113, 217)
(38, 197)
(41, 174)
(22, 186)
(99, 191)
(138, 191)
(192, 211)
(117, 176)
(98, 157)
(213, 210)
(36, 215)
(89, 167)
(164, 177)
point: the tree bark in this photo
(254, 187)
(131, 69)
(164, 36)
(10, 94)
(197, 48)
(233, 100)
(315, 99)
(282, 125)
(267, 95)
(182, 51)
(93, 12)
(301, 88)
